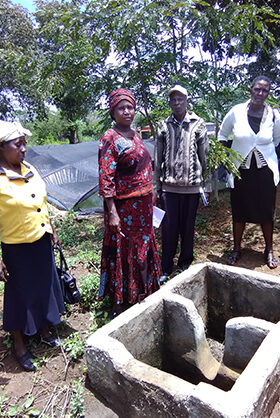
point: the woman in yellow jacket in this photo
(32, 297)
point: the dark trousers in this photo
(178, 221)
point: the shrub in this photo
(89, 288)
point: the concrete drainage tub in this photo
(155, 358)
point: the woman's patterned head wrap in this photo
(118, 95)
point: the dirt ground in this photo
(52, 384)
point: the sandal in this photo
(233, 257)
(25, 361)
(141, 297)
(270, 260)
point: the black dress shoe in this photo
(117, 309)
(25, 361)
(183, 267)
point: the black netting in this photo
(71, 173)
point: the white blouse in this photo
(245, 139)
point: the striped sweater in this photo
(180, 154)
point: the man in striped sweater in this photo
(180, 162)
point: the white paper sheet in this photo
(158, 215)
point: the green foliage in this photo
(90, 256)
(201, 223)
(68, 229)
(63, 58)
(8, 342)
(24, 410)
(77, 400)
(89, 288)
(71, 59)
(220, 155)
(3, 403)
(76, 233)
(17, 47)
(98, 319)
(74, 346)
(95, 125)
(50, 129)
(40, 360)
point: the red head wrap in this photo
(119, 95)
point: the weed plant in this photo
(202, 224)
(89, 289)
(25, 410)
(68, 230)
(98, 319)
(74, 346)
(77, 400)
(74, 232)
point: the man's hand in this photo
(158, 198)
(207, 195)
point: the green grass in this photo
(2, 284)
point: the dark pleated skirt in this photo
(253, 197)
(32, 296)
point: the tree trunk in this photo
(72, 135)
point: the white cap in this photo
(12, 130)
(178, 88)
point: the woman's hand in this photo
(4, 274)
(114, 222)
(56, 241)
(114, 219)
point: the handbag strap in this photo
(62, 259)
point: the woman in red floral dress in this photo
(130, 265)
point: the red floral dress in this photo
(125, 173)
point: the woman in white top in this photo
(255, 127)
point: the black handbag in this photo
(71, 293)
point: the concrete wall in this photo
(143, 335)
(234, 292)
(192, 284)
(134, 388)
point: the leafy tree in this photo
(153, 42)
(71, 59)
(47, 130)
(17, 49)
(134, 30)
(226, 34)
